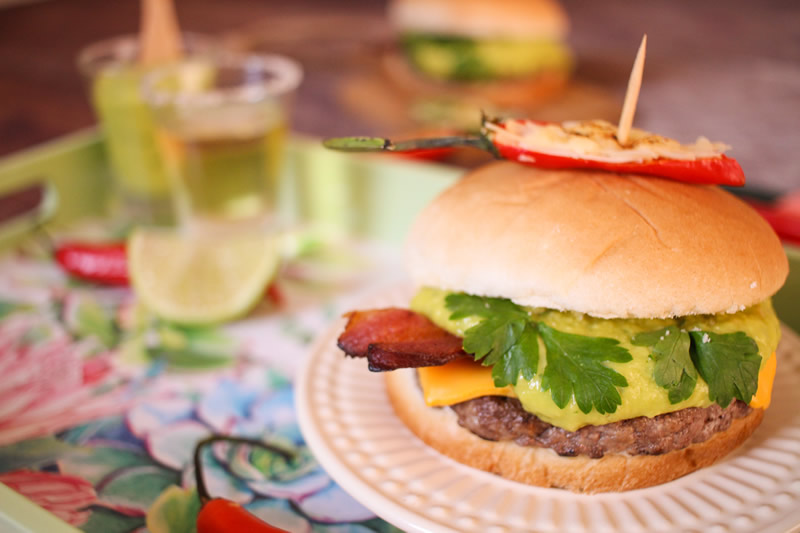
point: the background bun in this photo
(527, 19)
(612, 246)
(438, 427)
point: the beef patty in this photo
(499, 418)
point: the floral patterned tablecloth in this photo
(101, 404)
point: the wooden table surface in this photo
(726, 69)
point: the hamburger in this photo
(506, 52)
(581, 329)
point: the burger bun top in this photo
(605, 244)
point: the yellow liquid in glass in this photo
(225, 176)
(139, 176)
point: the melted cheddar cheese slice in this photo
(464, 379)
(766, 377)
(458, 381)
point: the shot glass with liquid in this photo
(221, 125)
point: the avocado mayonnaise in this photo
(464, 59)
(642, 396)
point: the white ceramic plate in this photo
(350, 426)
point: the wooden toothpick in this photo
(632, 95)
(160, 36)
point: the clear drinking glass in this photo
(142, 190)
(221, 125)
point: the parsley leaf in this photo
(674, 369)
(574, 367)
(508, 340)
(522, 358)
(464, 305)
(729, 363)
(505, 339)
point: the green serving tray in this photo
(370, 196)
(374, 197)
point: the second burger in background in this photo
(505, 52)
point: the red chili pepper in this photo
(786, 223)
(427, 154)
(220, 515)
(99, 263)
(720, 170)
(275, 295)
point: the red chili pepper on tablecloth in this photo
(590, 144)
(275, 295)
(100, 263)
(219, 515)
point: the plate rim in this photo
(397, 513)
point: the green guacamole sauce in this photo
(642, 396)
(462, 59)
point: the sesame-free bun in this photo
(438, 427)
(605, 244)
(527, 19)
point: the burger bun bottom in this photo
(438, 427)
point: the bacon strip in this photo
(395, 338)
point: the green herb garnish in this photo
(574, 366)
(729, 363)
(674, 369)
(507, 339)
(457, 57)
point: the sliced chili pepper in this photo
(717, 170)
(219, 515)
(721, 170)
(99, 263)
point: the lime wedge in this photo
(200, 280)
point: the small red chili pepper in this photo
(275, 295)
(99, 263)
(427, 154)
(786, 223)
(219, 515)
